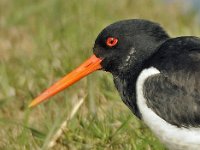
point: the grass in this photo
(40, 41)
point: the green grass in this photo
(40, 41)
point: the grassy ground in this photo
(40, 41)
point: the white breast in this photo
(173, 137)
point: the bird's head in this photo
(124, 45)
(119, 48)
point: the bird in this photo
(157, 77)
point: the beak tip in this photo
(31, 105)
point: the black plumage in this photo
(174, 94)
(138, 39)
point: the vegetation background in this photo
(42, 40)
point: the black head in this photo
(124, 45)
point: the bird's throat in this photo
(126, 88)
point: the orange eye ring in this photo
(111, 41)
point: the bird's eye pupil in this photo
(111, 41)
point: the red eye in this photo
(111, 41)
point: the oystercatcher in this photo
(158, 78)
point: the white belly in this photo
(173, 137)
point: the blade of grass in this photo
(53, 136)
(36, 133)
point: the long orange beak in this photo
(89, 66)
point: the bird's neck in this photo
(126, 86)
(125, 80)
